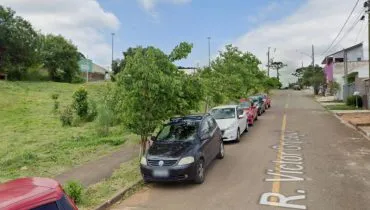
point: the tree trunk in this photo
(143, 145)
(316, 90)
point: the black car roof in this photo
(194, 117)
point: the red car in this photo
(34, 194)
(251, 109)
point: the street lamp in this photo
(112, 50)
(308, 55)
(209, 52)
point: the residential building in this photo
(339, 64)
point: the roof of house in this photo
(28, 193)
(98, 69)
(359, 45)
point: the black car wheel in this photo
(238, 136)
(199, 178)
(221, 153)
(259, 112)
(256, 118)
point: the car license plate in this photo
(160, 173)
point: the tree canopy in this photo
(19, 44)
(154, 90)
(22, 48)
(233, 74)
(311, 76)
(60, 57)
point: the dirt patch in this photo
(357, 119)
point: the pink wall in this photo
(328, 69)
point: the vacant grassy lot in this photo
(33, 141)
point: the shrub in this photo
(78, 79)
(334, 87)
(80, 103)
(92, 111)
(351, 101)
(55, 97)
(74, 190)
(105, 120)
(67, 116)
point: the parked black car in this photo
(183, 149)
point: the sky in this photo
(289, 27)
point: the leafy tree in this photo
(61, 58)
(116, 66)
(239, 72)
(272, 83)
(181, 51)
(277, 65)
(19, 44)
(153, 89)
(120, 64)
(313, 76)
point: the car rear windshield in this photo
(63, 202)
(245, 105)
(225, 113)
(183, 131)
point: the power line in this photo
(360, 31)
(345, 23)
(358, 19)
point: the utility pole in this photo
(112, 50)
(209, 52)
(268, 62)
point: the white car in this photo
(232, 121)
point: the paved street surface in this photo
(298, 156)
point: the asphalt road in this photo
(297, 156)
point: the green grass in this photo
(341, 107)
(123, 177)
(33, 141)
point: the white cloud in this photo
(149, 5)
(316, 22)
(83, 21)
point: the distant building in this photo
(188, 70)
(95, 72)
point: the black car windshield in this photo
(225, 113)
(183, 131)
(245, 105)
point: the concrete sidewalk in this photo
(100, 169)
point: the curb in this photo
(119, 195)
(350, 125)
(358, 127)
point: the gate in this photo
(348, 90)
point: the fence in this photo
(348, 90)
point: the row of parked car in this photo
(184, 147)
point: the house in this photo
(339, 64)
(92, 71)
(187, 70)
